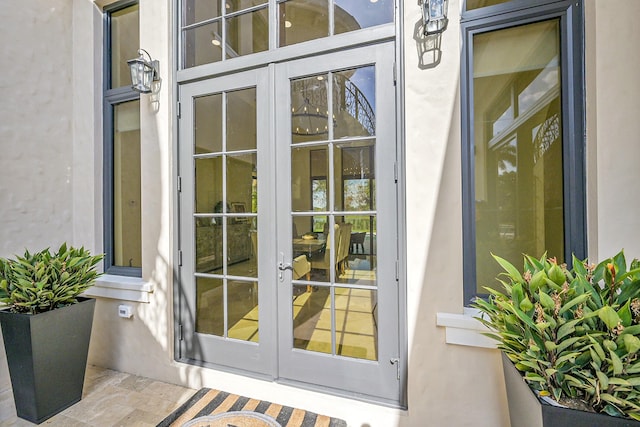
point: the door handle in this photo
(283, 266)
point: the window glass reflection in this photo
(248, 33)
(350, 15)
(518, 146)
(303, 20)
(354, 102)
(208, 124)
(127, 229)
(125, 29)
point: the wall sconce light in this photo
(143, 72)
(434, 16)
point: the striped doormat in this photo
(208, 401)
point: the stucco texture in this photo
(51, 191)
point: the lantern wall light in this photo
(144, 72)
(434, 16)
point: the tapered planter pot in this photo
(47, 357)
(526, 410)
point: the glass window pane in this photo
(312, 318)
(350, 15)
(203, 44)
(241, 120)
(125, 40)
(354, 176)
(237, 5)
(354, 102)
(476, 4)
(208, 124)
(194, 11)
(126, 185)
(208, 249)
(241, 170)
(303, 20)
(518, 146)
(309, 246)
(309, 171)
(359, 266)
(242, 306)
(248, 33)
(357, 323)
(309, 109)
(210, 306)
(208, 185)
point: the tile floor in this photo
(110, 398)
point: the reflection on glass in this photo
(309, 109)
(248, 33)
(210, 306)
(312, 318)
(309, 247)
(303, 20)
(241, 120)
(355, 330)
(356, 323)
(239, 248)
(127, 231)
(200, 10)
(309, 170)
(319, 173)
(208, 183)
(208, 124)
(354, 176)
(518, 146)
(354, 102)
(237, 5)
(241, 169)
(242, 310)
(125, 40)
(476, 4)
(203, 44)
(350, 15)
(209, 256)
(359, 264)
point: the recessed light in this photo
(288, 24)
(373, 1)
(215, 42)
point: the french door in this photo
(288, 223)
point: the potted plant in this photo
(572, 335)
(46, 327)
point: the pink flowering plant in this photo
(574, 334)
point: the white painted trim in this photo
(465, 329)
(121, 288)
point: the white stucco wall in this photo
(36, 138)
(51, 187)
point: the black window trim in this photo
(506, 15)
(111, 98)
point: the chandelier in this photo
(311, 117)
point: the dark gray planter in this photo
(47, 357)
(526, 410)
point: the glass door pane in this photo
(222, 140)
(341, 293)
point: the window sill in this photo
(464, 329)
(121, 288)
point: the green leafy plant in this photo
(42, 281)
(573, 334)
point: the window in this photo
(213, 33)
(523, 183)
(122, 217)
